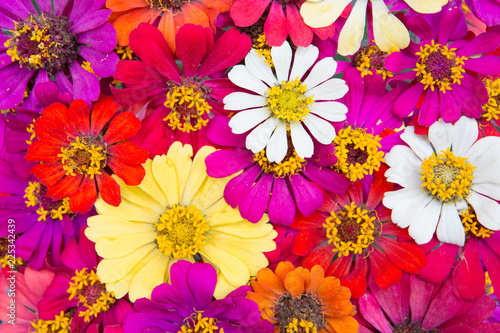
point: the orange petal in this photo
(317, 276)
(294, 284)
(121, 6)
(261, 300)
(263, 290)
(329, 288)
(305, 276)
(167, 28)
(342, 325)
(269, 280)
(129, 21)
(283, 269)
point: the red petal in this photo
(129, 153)
(439, 263)
(131, 174)
(307, 240)
(191, 43)
(122, 127)
(404, 255)
(104, 109)
(65, 188)
(384, 272)
(43, 151)
(315, 220)
(79, 114)
(356, 281)
(48, 130)
(468, 276)
(340, 266)
(48, 174)
(378, 187)
(58, 114)
(321, 256)
(109, 189)
(83, 200)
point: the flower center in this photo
(492, 108)
(167, 5)
(371, 58)
(290, 165)
(472, 226)
(125, 52)
(357, 153)
(302, 314)
(35, 195)
(43, 41)
(439, 66)
(351, 229)
(7, 259)
(446, 176)
(263, 49)
(60, 324)
(287, 101)
(181, 231)
(31, 130)
(85, 155)
(189, 109)
(199, 324)
(91, 293)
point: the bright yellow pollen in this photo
(32, 200)
(77, 286)
(350, 230)
(488, 288)
(307, 326)
(287, 101)
(471, 225)
(290, 165)
(31, 130)
(492, 108)
(446, 176)
(5, 258)
(187, 104)
(124, 52)
(201, 324)
(181, 231)
(84, 157)
(60, 324)
(363, 62)
(263, 50)
(357, 152)
(442, 78)
(86, 65)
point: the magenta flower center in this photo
(303, 314)
(371, 59)
(199, 324)
(412, 328)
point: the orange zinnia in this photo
(128, 14)
(296, 300)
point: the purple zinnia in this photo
(186, 305)
(71, 39)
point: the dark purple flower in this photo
(187, 303)
(72, 39)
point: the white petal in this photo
(332, 111)
(259, 137)
(441, 135)
(282, 59)
(322, 71)
(303, 60)
(260, 69)
(388, 30)
(487, 210)
(241, 77)
(484, 153)
(277, 146)
(248, 119)
(302, 142)
(404, 167)
(450, 228)
(426, 6)
(320, 14)
(329, 90)
(467, 131)
(322, 130)
(353, 30)
(491, 190)
(418, 143)
(242, 101)
(406, 204)
(422, 229)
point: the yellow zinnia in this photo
(176, 213)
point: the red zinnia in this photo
(77, 150)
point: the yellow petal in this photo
(148, 277)
(127, 211)
(150, 185)
(388, 30)
(123, 245)
(319, 14)
(218, 207)
(210, 192)
(223, 287)
(426, 6)
(181, 158)
(353, 30)
(166, 177)
(244, 229)
(197, 176)
(111, 226)
(136, 195)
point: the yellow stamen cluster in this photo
(167, 5)
(181, 231)
(31, 130)
(357, 152)
(263, 49)
(290, 165)
(187, 104)
(32, 194)
(86, 65)
(201, 325)
(439, 67)
(492, 108)
(60, 324)
(84, 157)
(125, 52)
(303, 326)
(471, 225)
(488, 288)
(350, 230)
(79, 283)
(5, 258)
(371, 59)
(446, 176)
(287, 101)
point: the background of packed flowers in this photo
(249, 166)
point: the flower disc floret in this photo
(85, 155)
(371, 59)
(446, 176)
(492, 108)
(35, 195)
(60, 324)
(167, 5)
(188, 105)
(439, 67)
(199, 324)
(181, 231)
(302, 314)
(291, 164)
(287, 101)
(472, 226)
(263, 49)
(350, 230)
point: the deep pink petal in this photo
(255, 204)
(299, 32)
(308, 196)
(275, 27)
(439, 263)
(191, 43)
(237, 189)
(247, 12)
(468, 275)
(281, 207)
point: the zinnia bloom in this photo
(299, 300)
(66, 40)
(177, 212)
(441, 175)
(186, 305)
(76, 147)
(278, 106)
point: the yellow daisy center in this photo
(303, 326)
(472, 226)
(60, 324)
(263, 49)
(446, 176)
(35, 195)
(7, 259)
(167, 5)
(351, 229)
(188, 105)
(369, 59)
(439, 67)
(85, 155)
(357, 152)
(181, 231)
(287, 101)
(199, 324)
(492, 108)
(302, 314)
(291, 164)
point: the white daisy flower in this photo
(443, 174)
(286, 102)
